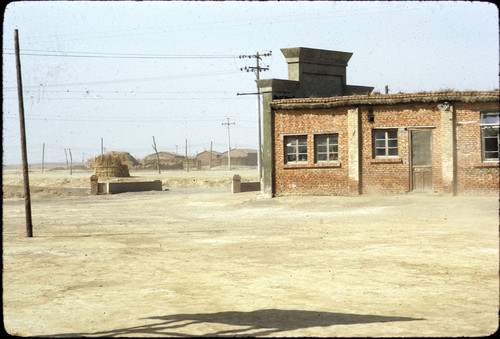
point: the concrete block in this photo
(131, 186)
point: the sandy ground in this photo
(198, 260)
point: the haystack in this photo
(168, 161)
(111, 164)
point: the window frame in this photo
(488, 127)
(296, 147)
(386, 146)
(328, 154)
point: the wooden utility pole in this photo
(228, 143)
(27, 198)
(66, 155)
(71, 162)
(157, 156)
(43, 156)
(210, 159)
(187, 160)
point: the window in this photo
(296, 149)
(327, 148)
(490, 123)
(385, 143)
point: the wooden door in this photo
(421, 160)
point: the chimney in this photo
(321, 73)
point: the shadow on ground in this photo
(255, 323)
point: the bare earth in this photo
(198, 260)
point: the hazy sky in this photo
(128, 71)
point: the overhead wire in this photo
(248, 21)
(104, 82)
(70, 54)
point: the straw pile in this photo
(111, 164)
(168, 161)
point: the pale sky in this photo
(126, 71)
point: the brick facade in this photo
(311, 176)
(456, 164)
(473, 174)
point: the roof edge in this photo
(387, 99)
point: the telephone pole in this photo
(228, 142)
(157, 155)
(27, 197)
(43, 156)
(257, 69)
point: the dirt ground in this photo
(198, 260)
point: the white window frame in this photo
(388, 143)
(486, 127)
(332, 141)
(294, 147)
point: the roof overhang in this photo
(387, 99)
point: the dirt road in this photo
(202, 261)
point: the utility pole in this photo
(187, 159)
(43, 156)
(71, 163)
(157, 155)
(66, 155)
(210, 159)
(257, 69)
(27, 198)
(228, 142)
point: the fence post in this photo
(94, 186)
(236, 184)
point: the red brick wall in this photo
(473, 175)
(381, 175)
(393, 175)
(312, 177)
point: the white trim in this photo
(404, 127)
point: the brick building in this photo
(347, 144)
(240, 157)
(209, 158)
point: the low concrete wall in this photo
(250, 186)
(237, 186)
(131, 186)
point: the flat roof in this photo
(387, 99)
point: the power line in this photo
(70, 54)
(142, 31)
(63, 118)
(103, 82)
(119, 91)
(121, 99)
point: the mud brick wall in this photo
(473, 174)
(311, 177)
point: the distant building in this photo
(324, 137)
(240, 157)
(205, 158)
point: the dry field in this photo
(198, 260)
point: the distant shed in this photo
(204, 158)
(240, 157)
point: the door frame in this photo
(410, 144)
